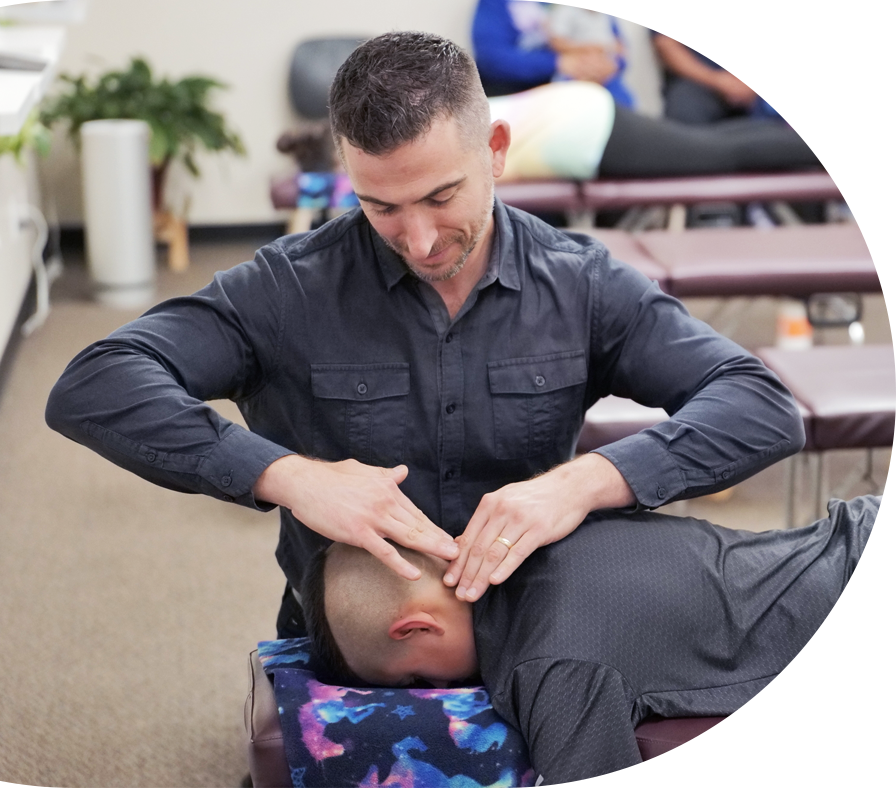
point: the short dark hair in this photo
(327, 659)
(392, 87)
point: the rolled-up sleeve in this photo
(730, 416)
(139, 397)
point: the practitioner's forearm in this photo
(141, 413)
(593, 482)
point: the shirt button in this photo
(226, 481)
(362, 388)
(227, 499)
(449, 337)
(449, 475)
(660, 492)
(726, 474)
(450, 408)
(539, 380)
(150, 456)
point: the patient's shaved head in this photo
(370, 626)
(363, 597)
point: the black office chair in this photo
(314, 64)
(312, 69)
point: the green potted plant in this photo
(179, 116)
(32, 136)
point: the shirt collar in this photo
(391, 265)
(504, 258)
(502, 263)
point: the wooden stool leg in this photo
(171, 230)
(678, 217)
(300, 220)
(179, 247)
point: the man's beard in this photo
(454, 270)
(458, 265)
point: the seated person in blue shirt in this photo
(424, 359)
(516, 48)
(627, 617)
(718, 55)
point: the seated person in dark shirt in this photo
(718, 55)
(629, 616)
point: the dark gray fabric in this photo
(332, 350)
(645, 615)
(643, 147)
(690, 102)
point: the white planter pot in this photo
(118, 211)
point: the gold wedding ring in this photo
(506, 542)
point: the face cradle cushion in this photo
(345, 736)
(305, 733)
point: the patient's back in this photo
(672, 604)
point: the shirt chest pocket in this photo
(537, 404)
(360, 411)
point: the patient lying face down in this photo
(628, 617)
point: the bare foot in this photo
(862, 156)
(826, 133)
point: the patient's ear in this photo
(416, 623)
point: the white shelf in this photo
(20, 91)
(46, 11)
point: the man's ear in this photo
(499, 142)
(416, 623)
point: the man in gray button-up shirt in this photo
(419, 369)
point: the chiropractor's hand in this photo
(356, 504)
(528, 515)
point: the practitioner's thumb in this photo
(399, 473)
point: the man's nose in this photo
(420, 236)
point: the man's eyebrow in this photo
(433, 193)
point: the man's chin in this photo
(437, 273)
(433, 273)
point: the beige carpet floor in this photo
(127, 612)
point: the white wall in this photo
(248, 46)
